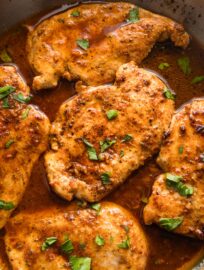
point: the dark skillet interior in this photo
(168, 251)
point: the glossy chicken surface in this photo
(23, 137)
(91, 154)
(182, 155)
(109, 238)
(90, 42)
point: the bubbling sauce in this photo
(167, 251)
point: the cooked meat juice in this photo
(167, 251)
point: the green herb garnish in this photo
(48, 242)
(126, 228)
(184, 64)
(5, 104)
(163, 66)
(122, 153)
(170, 224)
(90, 149)
(6, 90)
(168, 94)
(83, 43)
(127, 138)
(5, 57)
(75, 13)
(133, 15)
(105, 178)
(25, 113)
(175, 182)
(111, 114)
(21, 98)
(8, 144)
(6, 205)
(99, 240)
(197, 79)
(180, 150)
(96, 207)
(106, 144)
(67, 247)
(80, 263)
(125, 244)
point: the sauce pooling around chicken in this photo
(167, 251)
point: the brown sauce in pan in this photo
(167, 251)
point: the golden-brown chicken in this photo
(23, 137)
(90, 42)
(177, 200)
(108, 237)
(101, 135)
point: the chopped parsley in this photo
(6, 205)
(6, 90)
(83, 43)
(122, 153)
(106, 144)
(81, 203)
(8, 144)
(180, 150)
(80, 263)
(111, 114)
(184, 64)
(126, 228)
(25, 113)
(5, 104)
(21, 98)
(96, 207)
(105, 178)
(75, 13)
(144, 200)
(90, 149)
(67, 247)
(197, 79)
(163, 66)
(5, 57)
(125, 244)
(127, 138)
(175, 182)
(48, 242)
(99, 240)
(170, 224)
(133, 15)
(169, 94)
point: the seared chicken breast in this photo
(101, 238)
(103, 134)
(177, 200)
(23, 137)
(90, 42)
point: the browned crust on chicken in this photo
(143, 112)
(27, 232)
(23, 137)
(182, 154)
(53, 52)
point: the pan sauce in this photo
(167, 251)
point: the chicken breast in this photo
(177, 200)
(108, 237)
(90, 42)
(103, 134)
(23, 137)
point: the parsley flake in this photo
(105, 178)
(127, 138)
(75, 13)
(169, 94)
(133, 15)
(48, 242)
(184, 64)
(5, 104)
(83, 43)
(163, 66)
(96, 207)
(197, 79)
(99, 240)
(21, 98)
(8, 144)
(80, 263)
(67, 247)
(6, 90)
(25, 113)
(170, 224)
(107, 143)
(6, 205)
(125, 244)
(90, 149)
(5, 57)
(111, 114)
(180, 150)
